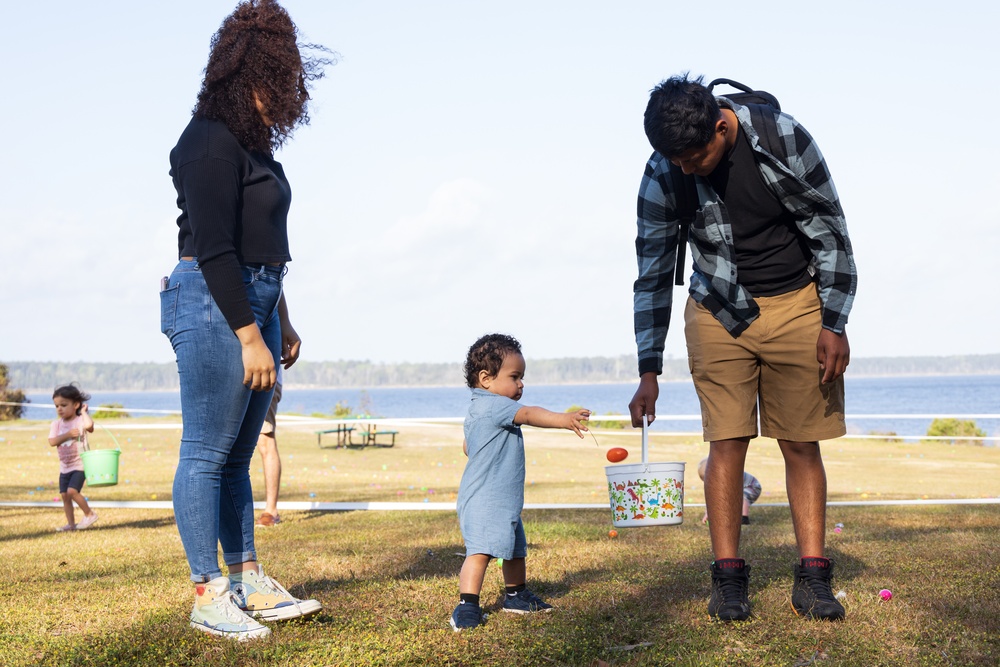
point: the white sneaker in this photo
(87, 521)
(264, 598)
(216, 611)
(65, 529)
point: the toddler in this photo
(491, 494)
(68, 434)
(751, 491)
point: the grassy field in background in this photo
(427, 464)
(118, 594)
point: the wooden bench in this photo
(343, 435)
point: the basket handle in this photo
(645, 439)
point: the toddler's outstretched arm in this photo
(535, 416)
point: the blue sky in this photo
(473, 167)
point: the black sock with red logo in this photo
(816, 562)
(729, 563)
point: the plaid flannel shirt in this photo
(804, 187)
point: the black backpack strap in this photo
(747, 94)
(686, 195)
(762, 118)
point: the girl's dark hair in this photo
(487, 354)
(71, 393)
(681, 115)
(255, 51)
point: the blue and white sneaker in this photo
(524, 602)
(467, 616)
(216, 612)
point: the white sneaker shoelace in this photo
(229, 607)
(269, 583)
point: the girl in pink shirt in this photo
(68, 435)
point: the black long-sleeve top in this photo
(234, 211)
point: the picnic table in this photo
(366, 434)
(369, 435)
(343, 432)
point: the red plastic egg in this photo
(616, 454)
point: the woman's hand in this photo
(290, 344)
(259, 373)
(290, 341)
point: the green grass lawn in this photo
(118, 594)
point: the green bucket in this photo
(101, 466)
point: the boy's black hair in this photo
(487, 354)
(71, 393)
(681, 115)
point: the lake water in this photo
(896, 396)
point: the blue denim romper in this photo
(491, 495)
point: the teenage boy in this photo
(772, 285)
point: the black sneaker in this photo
(745, 521)
(812, 596)
(467, 616)
(730, 599)
(524, 602)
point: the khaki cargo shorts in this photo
(771, 365)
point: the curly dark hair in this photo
(487, 354)
(255, 53)
(681, 115)
(71, 393)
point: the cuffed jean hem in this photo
(239, 557)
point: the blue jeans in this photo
(213, 501)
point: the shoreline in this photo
(311, 387)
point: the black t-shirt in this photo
(234, 210)
(771, 256)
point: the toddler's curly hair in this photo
(487, 354)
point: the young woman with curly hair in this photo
(223, 308)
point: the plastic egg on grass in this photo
(612, 534)
(885, 594)
(616, 454)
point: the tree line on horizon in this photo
(34, 376)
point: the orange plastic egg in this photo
(616, 454)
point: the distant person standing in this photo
(267, 445)
(222, 307)
(68, 434)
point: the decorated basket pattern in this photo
(647, 498)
